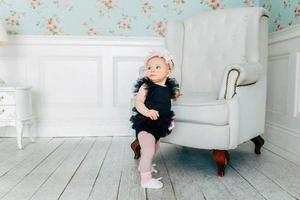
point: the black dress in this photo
(158, 98)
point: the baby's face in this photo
(158, 70)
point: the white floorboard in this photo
(84, 179)
(96, 168)
(12, 156)
(185, 187)
(32, 182)
(129, 183)
(167, 192)
(15, 175)
(243, 162)
(58, 181)
(109, 175)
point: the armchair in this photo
(220, 62)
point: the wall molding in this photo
(282, 132)
(290, 131)
(273, 58)
(96, 106)
(85, 40)
(42, 75)
(297, 86)
(116, 61)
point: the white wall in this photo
(81, 85)
(283, 97)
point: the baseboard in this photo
(283, 141)
(282, 152)
(56, 129)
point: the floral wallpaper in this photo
(103, 17)
(283, 13)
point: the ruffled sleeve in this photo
(174, 86)
(149, 85)
(137, 85)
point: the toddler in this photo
(154, 118)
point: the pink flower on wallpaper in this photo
(147, 7)
(278, 25)
(125, 23)
(90, 28)
(297, 12)
(106, 5)
(160, 28)
(214, 4)
(12, 21)
(35, 3)
(52, 24)
(249, 2)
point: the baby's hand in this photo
(153, 114)
(178, 94)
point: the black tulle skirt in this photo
(158, 128)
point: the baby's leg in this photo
(157, 146)
(147, 143)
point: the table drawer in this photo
(7, 112)
(7, 98)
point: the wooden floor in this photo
(104, 168)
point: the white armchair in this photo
(220, 62)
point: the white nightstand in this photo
(16, 109)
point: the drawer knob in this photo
(2, 111)
(1, 98)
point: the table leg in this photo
(19, 129)
(32, 131)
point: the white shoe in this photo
(153, 170)
(154, 183)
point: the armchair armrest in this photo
(236, 75)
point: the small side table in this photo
(16, 110)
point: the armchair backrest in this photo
(205, 44)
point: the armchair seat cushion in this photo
(201, 108)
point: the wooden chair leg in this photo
(136, 148)
(222, 159)
(259, 142)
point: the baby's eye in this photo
(158, 67)
(148, 68)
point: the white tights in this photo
(148, 149)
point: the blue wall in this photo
(283, 13)
(103, 17)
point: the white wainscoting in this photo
(82, 86)
(283, 97)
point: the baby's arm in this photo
(178, 94)
(140, 105)
(175, 88)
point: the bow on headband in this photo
(162, 53)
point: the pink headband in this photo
(162, 53)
